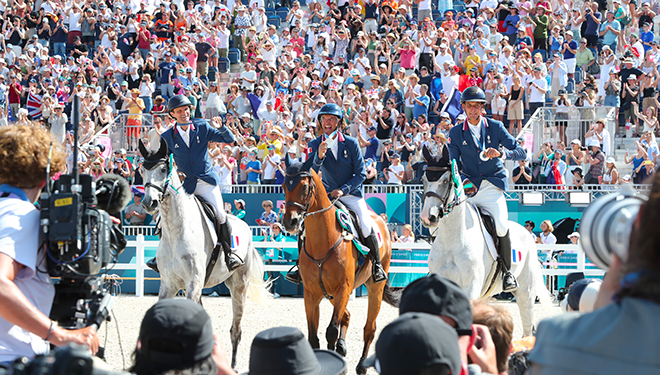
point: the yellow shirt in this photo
(471, 62)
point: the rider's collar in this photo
(482, 120)
(177, 127)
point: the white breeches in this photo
(491, 199)
(359, 205)
(214, 196)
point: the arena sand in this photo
(129, 310)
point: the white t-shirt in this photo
(223, 36)
(537, 96)
(251, 75)
(392, 172)
(410, 102)
(269, 169)
(19, 222)
(424, 5)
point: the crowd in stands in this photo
(393, 67)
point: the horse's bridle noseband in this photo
(308, 198)
(448, 206)
(162, 189)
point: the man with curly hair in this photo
(26, 290)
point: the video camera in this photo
(71, 359)
(81, 240)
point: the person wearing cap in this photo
(569, 48)
(536, 89)
(343, 172)
(610, 173)
(135, 212)
(176, 336)
(239, 212)
(416, 344)
(574, 237)
(370, 144)
(284, 350)
(596, 160)
(483, 168)
(188, 142)
(598, 133)
(167, 69)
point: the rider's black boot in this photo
(378, 273)
(232, 260)
(293, 275)
(509, 282)
(152, 264)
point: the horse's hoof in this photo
(360, 369)
(341, 347)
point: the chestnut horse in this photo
(328, 261)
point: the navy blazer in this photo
(348, 173)
(194, 161)
(464, 150)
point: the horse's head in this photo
(155, 171)
(299, 190)
(441, 184)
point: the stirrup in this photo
(233, 261)
(153, 265)
(293, 276)
(509, 282)
(378, 273)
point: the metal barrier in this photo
(140, 243)
(544, 124)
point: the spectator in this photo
(536, 89)
(546, 237)
(638, 174)
(135, 212)
(556, 169)
(522, 175)
(596, 160)
(500, 325)
(610, 174)
(529, 225)
(268, 217)
(598, 133)
(239, 212)
(407, 235)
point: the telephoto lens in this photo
(606, 226)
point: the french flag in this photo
(516, 256)
(234, 242)
(453, 104)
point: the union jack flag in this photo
(34, 105)
(334, 85)
(372, 93)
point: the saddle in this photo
(489, 224)
(355, 223)
(212, 214)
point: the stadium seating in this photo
(223, 64)
(234, 55)
(282, 12)
(275, 21)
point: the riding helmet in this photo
(473, 94)
(330, 109)
(177, 101)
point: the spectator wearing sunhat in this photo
(574, 237)
(239, 212)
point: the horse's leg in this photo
(238, 286)
(343, 327)
(375, 292)
(339, 302)
(525, 297)
(312, 311)
(166, 290)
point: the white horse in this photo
(461, 252)
(187, 242)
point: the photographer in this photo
(621, 336)
(26, 290)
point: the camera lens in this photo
(606, 226)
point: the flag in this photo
(234, 242)
(372, 93)
(255, 102)
(453, 104)
(334, 85)
(34, 105)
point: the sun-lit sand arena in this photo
(128, 313)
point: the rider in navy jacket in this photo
(342, 165)
(188, 141)
(478, 145)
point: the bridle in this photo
(150, 165)
(445, 206)
(310, 193)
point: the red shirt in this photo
(144, 40)
(15, 98)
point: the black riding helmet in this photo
(178, 101)
(473, 94)
(331, 109)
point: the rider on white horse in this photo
(343, 173)
(478, 146)
(188, 141)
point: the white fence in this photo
(140, 243)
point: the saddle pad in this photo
(210, 226)
(347, 224)
(517, 256)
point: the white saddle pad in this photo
(518, 257)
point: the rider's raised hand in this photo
(323, 147)
(218, 120)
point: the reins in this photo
(162, 189)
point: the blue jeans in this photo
(166, 90)
(143, 52)
(148, 103)
(612, 101)
(59, 49)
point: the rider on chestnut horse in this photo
(343, 173)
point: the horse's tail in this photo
(542, 293)
(392, 295)
(258, 288)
